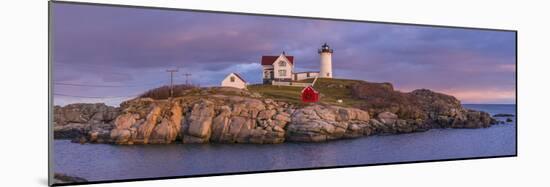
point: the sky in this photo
(111, 54)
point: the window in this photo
(328, 74)
(282, 73)
(282, 63)
(232, 79)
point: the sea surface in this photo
(97, 162)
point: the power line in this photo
(87, 65)
(99, 85)
(93, 97)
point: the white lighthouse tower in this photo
(326, 61)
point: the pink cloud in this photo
(490, 95)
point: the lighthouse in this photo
(326, 61)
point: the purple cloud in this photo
(101, 45)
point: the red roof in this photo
(269, 60)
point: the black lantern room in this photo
(325, 49)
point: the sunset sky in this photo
(114, 53)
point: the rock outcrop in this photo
(76, 119)
(321, 123)
(220, 119)
(423, 108)
(240, 118)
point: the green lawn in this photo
(330, 89)
(280, 93)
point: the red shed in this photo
(309, 95)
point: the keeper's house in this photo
(281, 68)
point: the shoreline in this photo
(374, 149)
(499, 123)
(76, 141)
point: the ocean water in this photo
(97, 162)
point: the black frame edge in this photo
(50, 98)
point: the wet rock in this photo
(387, 118)
(84, 113)
(70, 131)
(76, 120)
(402, 126)
(473, 119)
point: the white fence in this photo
(296, 84)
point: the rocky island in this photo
(265, 115)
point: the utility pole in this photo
(171, 71)
(187, 78)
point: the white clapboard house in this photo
(234, 80)
(281, 68)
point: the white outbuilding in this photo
(234, 80)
